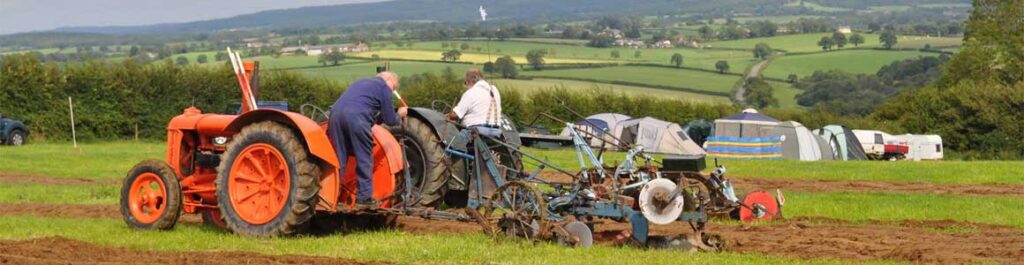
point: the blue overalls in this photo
(366, 102)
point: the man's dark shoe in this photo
(366, 204)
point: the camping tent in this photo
(746, 124)
(843, 142)
(798, 142)
(923, 147)
(698, 130)
(657, 136)
(598, 124)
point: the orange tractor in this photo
(263, 172)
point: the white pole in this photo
(71, 109)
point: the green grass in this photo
(817, 7)
(560, 53)
(350, 72)
(64, 194)
(473, 57)
(786, 94)
(773, 19)
(906, 206)
(112, 160)
(105, 160)
(792, 43)
(852, 61)
(891, 8)
(295, 61)
(538, 84)
(938, 172)
(390, 246)
(918, 42)
(649, 75)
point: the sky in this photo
(36, 15)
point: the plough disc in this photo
(763, 206)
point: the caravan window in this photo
(938, 148)
(878, 139)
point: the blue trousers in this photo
(350, 134)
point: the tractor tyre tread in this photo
(433, 152)
(304, 175)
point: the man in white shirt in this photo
(480, 106)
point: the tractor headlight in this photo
(220, 140)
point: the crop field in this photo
(682, 78)
(852, 61)
(536, 84)
(942, 211)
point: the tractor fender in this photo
(447, 131)
(314, 136)
(438, 123)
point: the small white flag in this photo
(483, 13)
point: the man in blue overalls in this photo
(366, 102)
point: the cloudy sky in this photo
(31, 15)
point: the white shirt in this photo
(476, 106)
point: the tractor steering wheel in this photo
(311, 111)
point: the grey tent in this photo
(798, 142)
(844, 143)
(657, 136)
(597, 125)
(746, 124)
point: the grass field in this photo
(786, 94)
(530, 86)
(350, 72)
(853, 61)
(392, 246)
(108, 161)
(649, 75)
(817, 7)
(478, 58)
(792, 43)
(558, 53)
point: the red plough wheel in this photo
(765, 207)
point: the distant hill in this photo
(432, 10)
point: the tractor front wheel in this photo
(151, 196)
(267, 184)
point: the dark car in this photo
(12, 132)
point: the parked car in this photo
(12, 132)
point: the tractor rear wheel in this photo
(267, 183)
(151, 196)
(425, 155)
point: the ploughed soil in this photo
(755, 183)
(18, 178)
(59, 250)
(943, 241)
